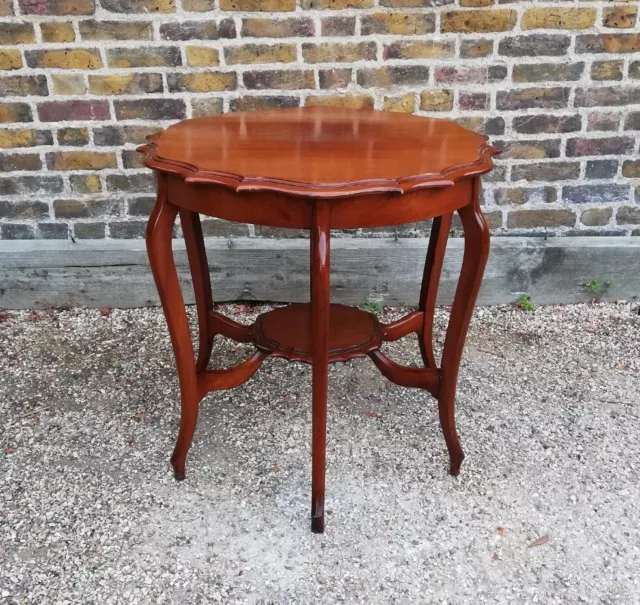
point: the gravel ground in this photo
(546, 509)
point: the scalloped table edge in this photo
(238, 183)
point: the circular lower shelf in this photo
(286, 332)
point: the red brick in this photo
(473, 101)
(334, 78)
(460, 75)
(603, 122)
(525, 98)
(600, 146)
(338, 26)
(607, 96)
(60, 111)
(57, 7)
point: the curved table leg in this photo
(476, 251)
(320, 280)
(192, 231)
(430, 281)
(159, 237)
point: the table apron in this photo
(287, 211)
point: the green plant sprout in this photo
(372, 306)
(525, 304)
(597, 290)
(592, 287)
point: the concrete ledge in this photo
(115, 273)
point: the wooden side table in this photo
(317, 169)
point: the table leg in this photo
(430, 281)
(192, 231)
(159, 238)
(320, 300)
(476, 251)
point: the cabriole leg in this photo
(430, 281)
(320, 299)
(192, 231)
(159, 237)
(476, 251)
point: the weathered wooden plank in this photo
(116, 273)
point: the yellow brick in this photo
(85, 183)
(338, 52)
(558, 18)
(403, 3)
(202, 55)
(75, 137)
(208, 82)
(68, 84)
(620, 16)
(436, 100)
(16, 138)
(398, 24)
(420, 50)
(162, 6)
(119, 84)
(472, 123)
(155, 6)
(82, 160)
(264, 27)
(482, 47)
(69, 7)
(258, 5)
(69, 59)
(350, 101)
(57, 32)
(403, 104)
(476, 3)
(10, 59)
(478, 21)
(620, 43)
(607, 70)
(92, 182)
(198, 6)
(337, 4)
(109, 85)
(261, 53)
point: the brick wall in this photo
(556, 84)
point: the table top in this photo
(324, 152)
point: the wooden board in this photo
(115, 273)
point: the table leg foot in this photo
(178, 468)
(317, 515)
(188, 422)
(446, 409)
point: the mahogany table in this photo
(317, 169)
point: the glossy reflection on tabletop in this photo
(320, 145)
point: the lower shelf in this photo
(286, 332)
